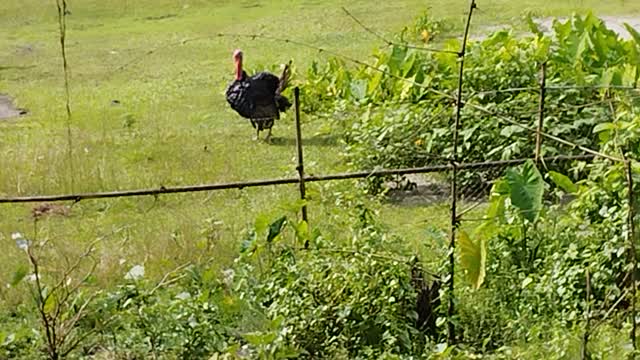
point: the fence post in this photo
(451, 337)
(300, 167)
(543, 84)
(587, 329)
(632, 249)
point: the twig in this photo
(165, 279)
(62, 22)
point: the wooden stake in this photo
(585, 338)
(300, 167)
(543, 83)
(632, 251)
(451, 337)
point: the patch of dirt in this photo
(418, 189)
(8, 110)
(615, 23)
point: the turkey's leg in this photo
(268, 138)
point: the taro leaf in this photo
(261, 223)
(358, 89)
(302, 231)
(248, 242)
(396, 61)
(50, 304)
(563, 182)
(634, 33)
(533, 27)
(20, 273)
(473, 257)
(258, 338)
(527, 188)
(275, 228)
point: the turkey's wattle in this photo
(259, 97)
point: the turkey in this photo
(259, 97)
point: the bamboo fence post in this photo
(632, 251)
(300, 167)
(543, 83)
(451, 337)
(585, 338)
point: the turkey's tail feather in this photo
(284, 78)
(282, 103)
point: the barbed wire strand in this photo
(392, 43)
(269, 182)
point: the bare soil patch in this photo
(615, 23)
(8, 109)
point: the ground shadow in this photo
(321, 140)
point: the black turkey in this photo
(259, 97)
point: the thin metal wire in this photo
(270, 182)
(392, 43)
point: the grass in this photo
(173, 125)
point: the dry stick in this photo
(300, 167)
(543, 80)
(587, 315)
(62, 22)
(451, 337)
(284, 181)
(632, 250)
(391, 43)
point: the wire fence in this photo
(462, 200)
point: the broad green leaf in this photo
(358, 89)
(398, 55)
(473, 257)
(262, 221)
(248, 242)
(50, 303)
(276, 228)
(257, 338)
(563, 182)
(527, 188)
(19, 274)
(634, 33)
(408, 65)
(500, 187)
(302, 230)
(533, 26)
(584, 45)
(604, 127)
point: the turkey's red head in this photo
(237, 58)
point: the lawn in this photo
(172, 125)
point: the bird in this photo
(259, 97)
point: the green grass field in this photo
(173, 126)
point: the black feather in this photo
(258, 97)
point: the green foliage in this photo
(355, 301)
(143, 319)
(399, 117)
(473, 256)
(526, 189)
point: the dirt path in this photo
(7, 109)
(615, 23)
